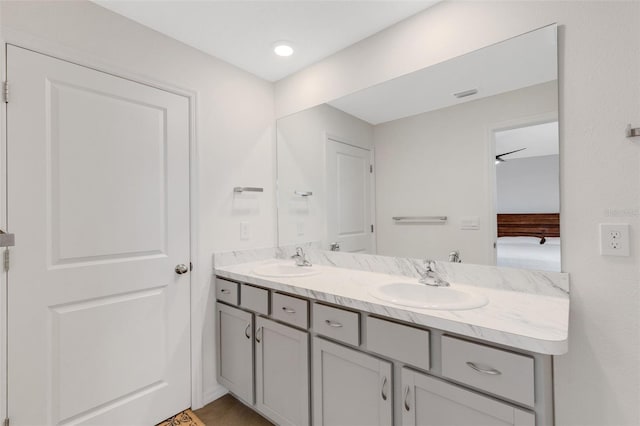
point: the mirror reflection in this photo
(458, 161)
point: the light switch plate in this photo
(470, 223)
(244, 230)
(614, 239)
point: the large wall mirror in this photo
(457, 160)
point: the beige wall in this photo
(235, 127)
(598, 381)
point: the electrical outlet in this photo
(614, 239)
(244, 230)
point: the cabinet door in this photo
(427, 401)
(282, 373)
(349, 387)
(235, 351)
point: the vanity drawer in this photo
(336, 323)
(398, 341)
(290, 310)
(227, 291)
(255, 299)
(500, 372)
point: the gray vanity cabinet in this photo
(282, 373)
(235, 350)
(427, 401)
(350, 387)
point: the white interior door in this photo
(349, 220)
(98, 197)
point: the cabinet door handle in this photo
(489, 371)
(246, 331)
(382, 391)
(406, 401)
(259, 335)
(333, 324)
(288, 310)
(225, 291)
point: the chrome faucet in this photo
(454, 256)
(429, 276)
(300, 257)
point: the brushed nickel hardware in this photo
(247, 189)
(181, 269)
(465, 93)
(246, 331)
(454, 256)
(333, 324)
(225, 291)
(300, 257)
(383, 393)
(406, 402)
(420, 219)
(303, 193)
(633, 132)
(259, 335)
(429, 276)
(334, 246)
(288, 310)
(489, 371)
(7, 240)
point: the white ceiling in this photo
(243, 32)
(539, 140)
(516, 63)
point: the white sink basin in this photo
(428, 297)
(279, 270)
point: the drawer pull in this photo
(383, 393)
(288, 310)
(333, 324)
(259, 335)
(246, 331)
(225, 291)
(489, 371)
(406, 401)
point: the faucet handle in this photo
(429, 265)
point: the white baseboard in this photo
(212, 394)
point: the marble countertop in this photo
(528, 321)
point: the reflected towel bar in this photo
(425, 219)
(303, 193)
(247, 189)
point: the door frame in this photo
(327, 137)
(198, 279)
(490, 148)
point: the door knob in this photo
(181, 269)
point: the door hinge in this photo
(6, 260)
(5, 92)
(370, 168)
(371, 228)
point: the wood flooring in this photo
(228, 411)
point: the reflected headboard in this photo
(528, 224)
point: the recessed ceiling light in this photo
(283, 48)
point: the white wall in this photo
(529, 185)
(235, 127)
(598, 381)
(438, 164)
(302, 151)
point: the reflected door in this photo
(349, 215)
(98, 197)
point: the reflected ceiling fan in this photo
(499, 158)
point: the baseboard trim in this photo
(213, 394)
